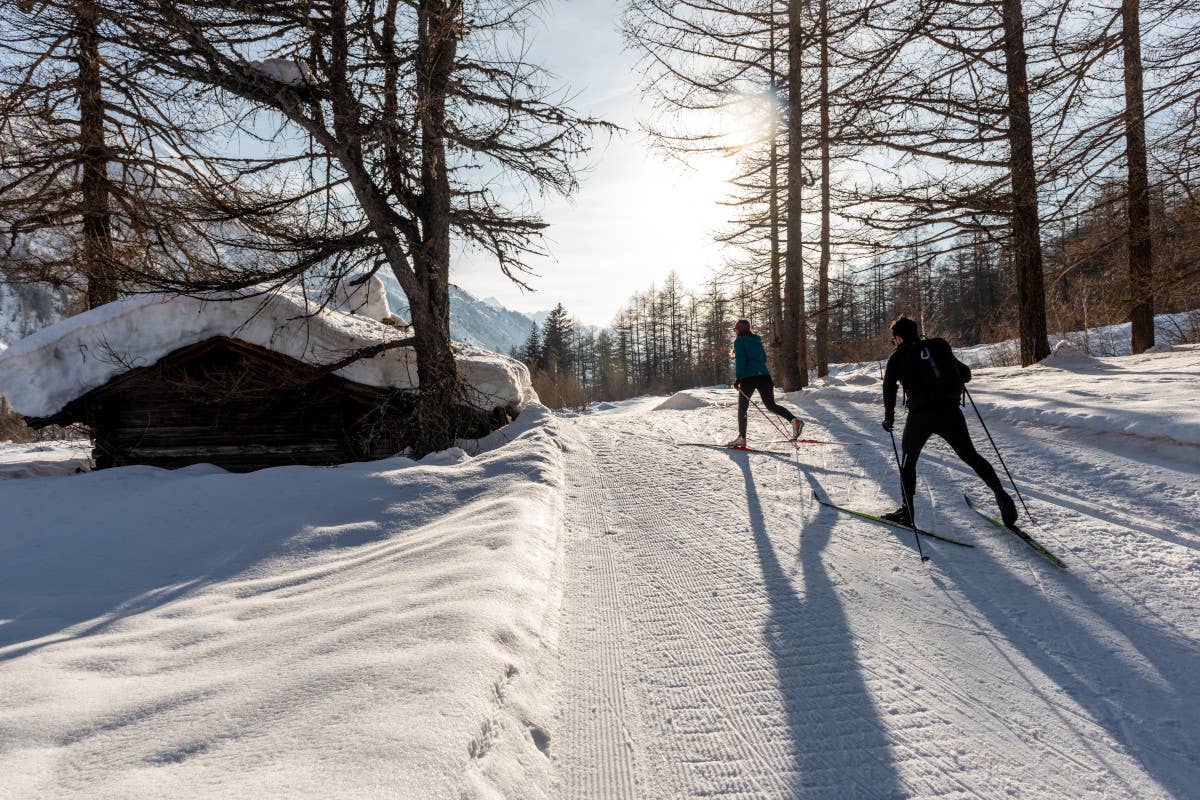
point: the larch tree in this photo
(395, 121)
(102, 174)
(958, 146)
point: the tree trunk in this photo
(773, 211)
(96, 220)
(1141, 311)
(1027, 245)
(437, 44)
(795, 345)
(823, 270)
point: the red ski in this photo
(812, 441)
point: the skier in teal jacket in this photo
(750, 370)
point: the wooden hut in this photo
(239, 406)
(242, 383)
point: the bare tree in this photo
(395, 122)
(98, 164)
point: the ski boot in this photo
(797, 428)
(738, 444)
(900, 516)
(1008, 509)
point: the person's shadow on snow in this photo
(839, 745)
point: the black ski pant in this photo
(951, 425)
(766, 390)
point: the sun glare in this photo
(745, 120)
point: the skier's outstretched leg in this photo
(954, 431)
(766, 390)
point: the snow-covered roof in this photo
(40, 374)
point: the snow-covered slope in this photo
(371, 630)
(27, 309)
(484, 323)
(1106, 340)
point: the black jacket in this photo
(932, 377)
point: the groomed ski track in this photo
(722, 635)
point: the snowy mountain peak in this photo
(483, 323)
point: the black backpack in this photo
(934, 376)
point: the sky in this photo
(637, 215)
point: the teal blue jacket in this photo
(749, 357)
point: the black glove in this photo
(888, 424)
(737, 385)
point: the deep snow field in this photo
(611, 605)
(369, 630)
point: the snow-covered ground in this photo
(612, 605)
(43, 459)
(725, 636)
(1105, 340)
(369, 630)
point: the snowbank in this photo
(378, 629)
(43, 372)
(692, 399)
(1065, 354)
(44, 459)
(1106, 340)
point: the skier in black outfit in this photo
(933, 382)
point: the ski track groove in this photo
(598, 754)
(667, 592)
(680, 588)
(902, 737)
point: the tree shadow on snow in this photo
(81, 554)
(840, 747)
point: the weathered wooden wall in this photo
(242, 408)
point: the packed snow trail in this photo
(724, 636)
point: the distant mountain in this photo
(483, 323)
(26, 308)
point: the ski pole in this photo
(907, 500)
(998, 455)
(782, 432)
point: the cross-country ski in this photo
(1018, 532)
(891, 523)
(740, 448)
(814, 441)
